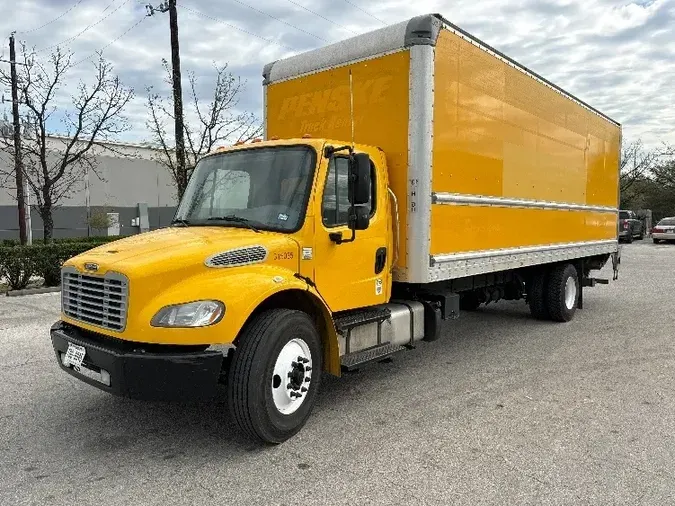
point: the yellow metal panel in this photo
(318, 104)
(475, 228)
(166, 267)
(497, 129)
(344, 273)
(499, 132)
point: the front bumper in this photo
(149, 372)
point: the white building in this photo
(133, 187)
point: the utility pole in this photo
(181, 171)
(18, 165)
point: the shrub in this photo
(95, 239)
(16, 266)
(19, 263)
(36, 241)
(99, 220)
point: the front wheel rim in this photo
(570, 292)
(292, 376)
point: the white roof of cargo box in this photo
(420, 30)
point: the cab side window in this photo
(335, 203)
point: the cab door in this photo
(352, 274)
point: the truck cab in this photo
(300, 225)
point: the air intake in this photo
(236, 257)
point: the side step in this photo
(353, 361)
(349, 319)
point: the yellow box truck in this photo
(404, 174)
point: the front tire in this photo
(563, 292)
(274, 376)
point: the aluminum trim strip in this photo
(451, 257)
(482, 200)
(420, 143)
(264, 122)
(478, 263)
(363, 46)
(336, 66)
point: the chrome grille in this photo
(238, 256)
(96, 300)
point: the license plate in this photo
(74, 355)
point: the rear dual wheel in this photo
(554, 294)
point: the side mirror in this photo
(359, 179)
(359, 218)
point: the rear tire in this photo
(262, 402)
(469, 301)
(536, 296)
(657, 241)
(563, 292)
(629, 238)
(642, 235)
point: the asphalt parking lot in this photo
(503, 410)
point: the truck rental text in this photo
(404, 174)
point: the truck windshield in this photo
(261, 188)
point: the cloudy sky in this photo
(617, 55)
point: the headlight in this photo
(192, 314)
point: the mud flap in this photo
(616, 261)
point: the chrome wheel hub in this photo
(292, 376)
(570, 293)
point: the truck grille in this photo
(96, 300)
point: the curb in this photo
(33, 291)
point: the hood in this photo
(178, 248)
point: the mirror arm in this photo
(336, 237)
(329, 151)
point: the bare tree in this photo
(54, 165)
(206, 123)
(638, 162)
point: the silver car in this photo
(664, 230)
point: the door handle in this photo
(380, 259)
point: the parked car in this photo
(630, 226)
(664, 230)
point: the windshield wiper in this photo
(234, 219)
(180, 221)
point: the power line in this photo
(87, 27)
(269, 41)
(366, 12)
(280, 20)
(323, 17)
(55, 19)
(111, 42)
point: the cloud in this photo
(617, 55)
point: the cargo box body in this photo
(493, 167)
